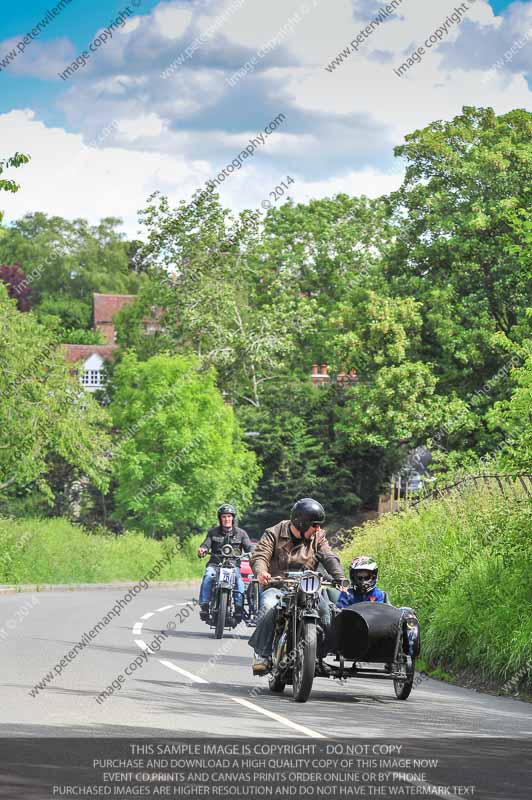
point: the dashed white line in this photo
(279, 718)
(189, 675)
(196, 679)
(137, 628)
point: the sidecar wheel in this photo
(305, 662)
(403, 688)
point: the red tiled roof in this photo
(107, 305)
(81, 352)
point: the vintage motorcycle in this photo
(251, 592)
(221, 609)
(380, 640)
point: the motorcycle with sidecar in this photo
(365, 640)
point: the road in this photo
(192, 685)
(195, 685)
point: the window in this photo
(92, 377)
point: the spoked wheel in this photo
(404, 687)
(222, 612)
(305, 661)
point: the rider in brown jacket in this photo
(290, 545)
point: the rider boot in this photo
(238, 614)
(204, 612)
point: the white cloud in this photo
(148, 125)
(172, 21)
(175, 134)
(67, 178)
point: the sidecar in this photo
(379, 641)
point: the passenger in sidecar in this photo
(380, 640)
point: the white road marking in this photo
(137, 628)
(196, 679)
(279, 718)
(186, 674)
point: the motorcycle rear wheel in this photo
(222, 613)
(305, 661)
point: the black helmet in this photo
(305, 512)
(226, 508)
(363, 564)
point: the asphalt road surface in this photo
(194, 685)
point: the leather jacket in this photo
(278, 551)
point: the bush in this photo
(56, 551)
(464, 564)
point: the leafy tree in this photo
(70, 258)
(44, 415)
(204, 276)
(180, 452)
(320, 252)
(463, 246)
(69, 312)
(512, 419)
(17, 285)
(7, 185)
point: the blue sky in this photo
(154, 126)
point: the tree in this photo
(44, 414)
(180, 451)
(7, 185)
(204, 276)
(513, 419)
(17, 285)
(462, 247)
(70, 259)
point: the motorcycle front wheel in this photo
(305, 661)
(222, 613)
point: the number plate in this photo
(309, 584)
(227, 575)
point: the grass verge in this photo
(464, 563)
(56, 551)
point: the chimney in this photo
(341, 377)
(353, 375)
(319, 375)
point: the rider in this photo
(292, 544)
(363, 573)
(224, 533)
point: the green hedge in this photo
(56, 551)
(464, 563)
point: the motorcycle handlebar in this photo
(285, 579)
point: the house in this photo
(93, 357)
(105, 306)
(320, 376)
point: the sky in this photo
(163, 96)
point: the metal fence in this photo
(507, 485)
